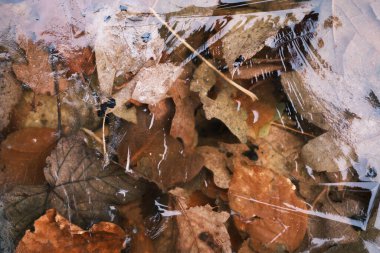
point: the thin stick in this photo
(56, 91)
(104, 137)
(292, 129)
(237, 86)
(93, 135)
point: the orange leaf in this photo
(183, 124)
(154, 154)
(262, 198)
(53, 233)
(79, 60)
(23, 155)
(37, 73)
(141, 243)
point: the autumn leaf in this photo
(78, 187)
(82, 189)
(79, 60)
(183, 123)
(223, 107)
(10, 93)
(280, 150)
(77, 110)
(252, 31)
(263, 201)
(134, 222)
(149, 86)
(154, 155)
(261, 112)
(37, 73)
(23, 154)
(200, 228)
(53, 233)
(121, 48)
(216, 161)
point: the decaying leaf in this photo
(78, 187)
(330, 231)
(79, 60)
(133, 221)
(22, 205)
(248, 37)
(121, 48)
(81, 188)
(325, 153)
(264, 202)
(77, 110)
(183, 123)
(279, 151)
(150, 85)
(223, 107)
(23, 155)
(10, 93)
(38, 72)
(216, 161)
(53, 233)
(155, 155)
(261, 112)
(200, 228)
(127, 114)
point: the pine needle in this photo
(228, 80)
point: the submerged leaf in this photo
(53, 233)
(37, 73)
(155, 155)
(134, 221)
(78, 187)
(149, 86)
(216, 161)
(23, 155)
(223, 107)
(200, 228)
(82, 189)
(121, 48)
(183, 124)
(10, 94)
(265, 203)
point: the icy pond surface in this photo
(189, 126)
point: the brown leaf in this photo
(79, 60)
(155, 155)
(78, 186)
(280, 150)
(134, 222)
(77, 110)
(10, 94)
(216, 161)
(53, 233)
(37, 73)
(183, 124)
(200, 228)
(260, 112)
(23, 155)
(262, 198)
(82, 188)
(223, 107)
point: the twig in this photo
(53, 59)
(292, 129)
(93, 135)
(106, 158)
(237, 86)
